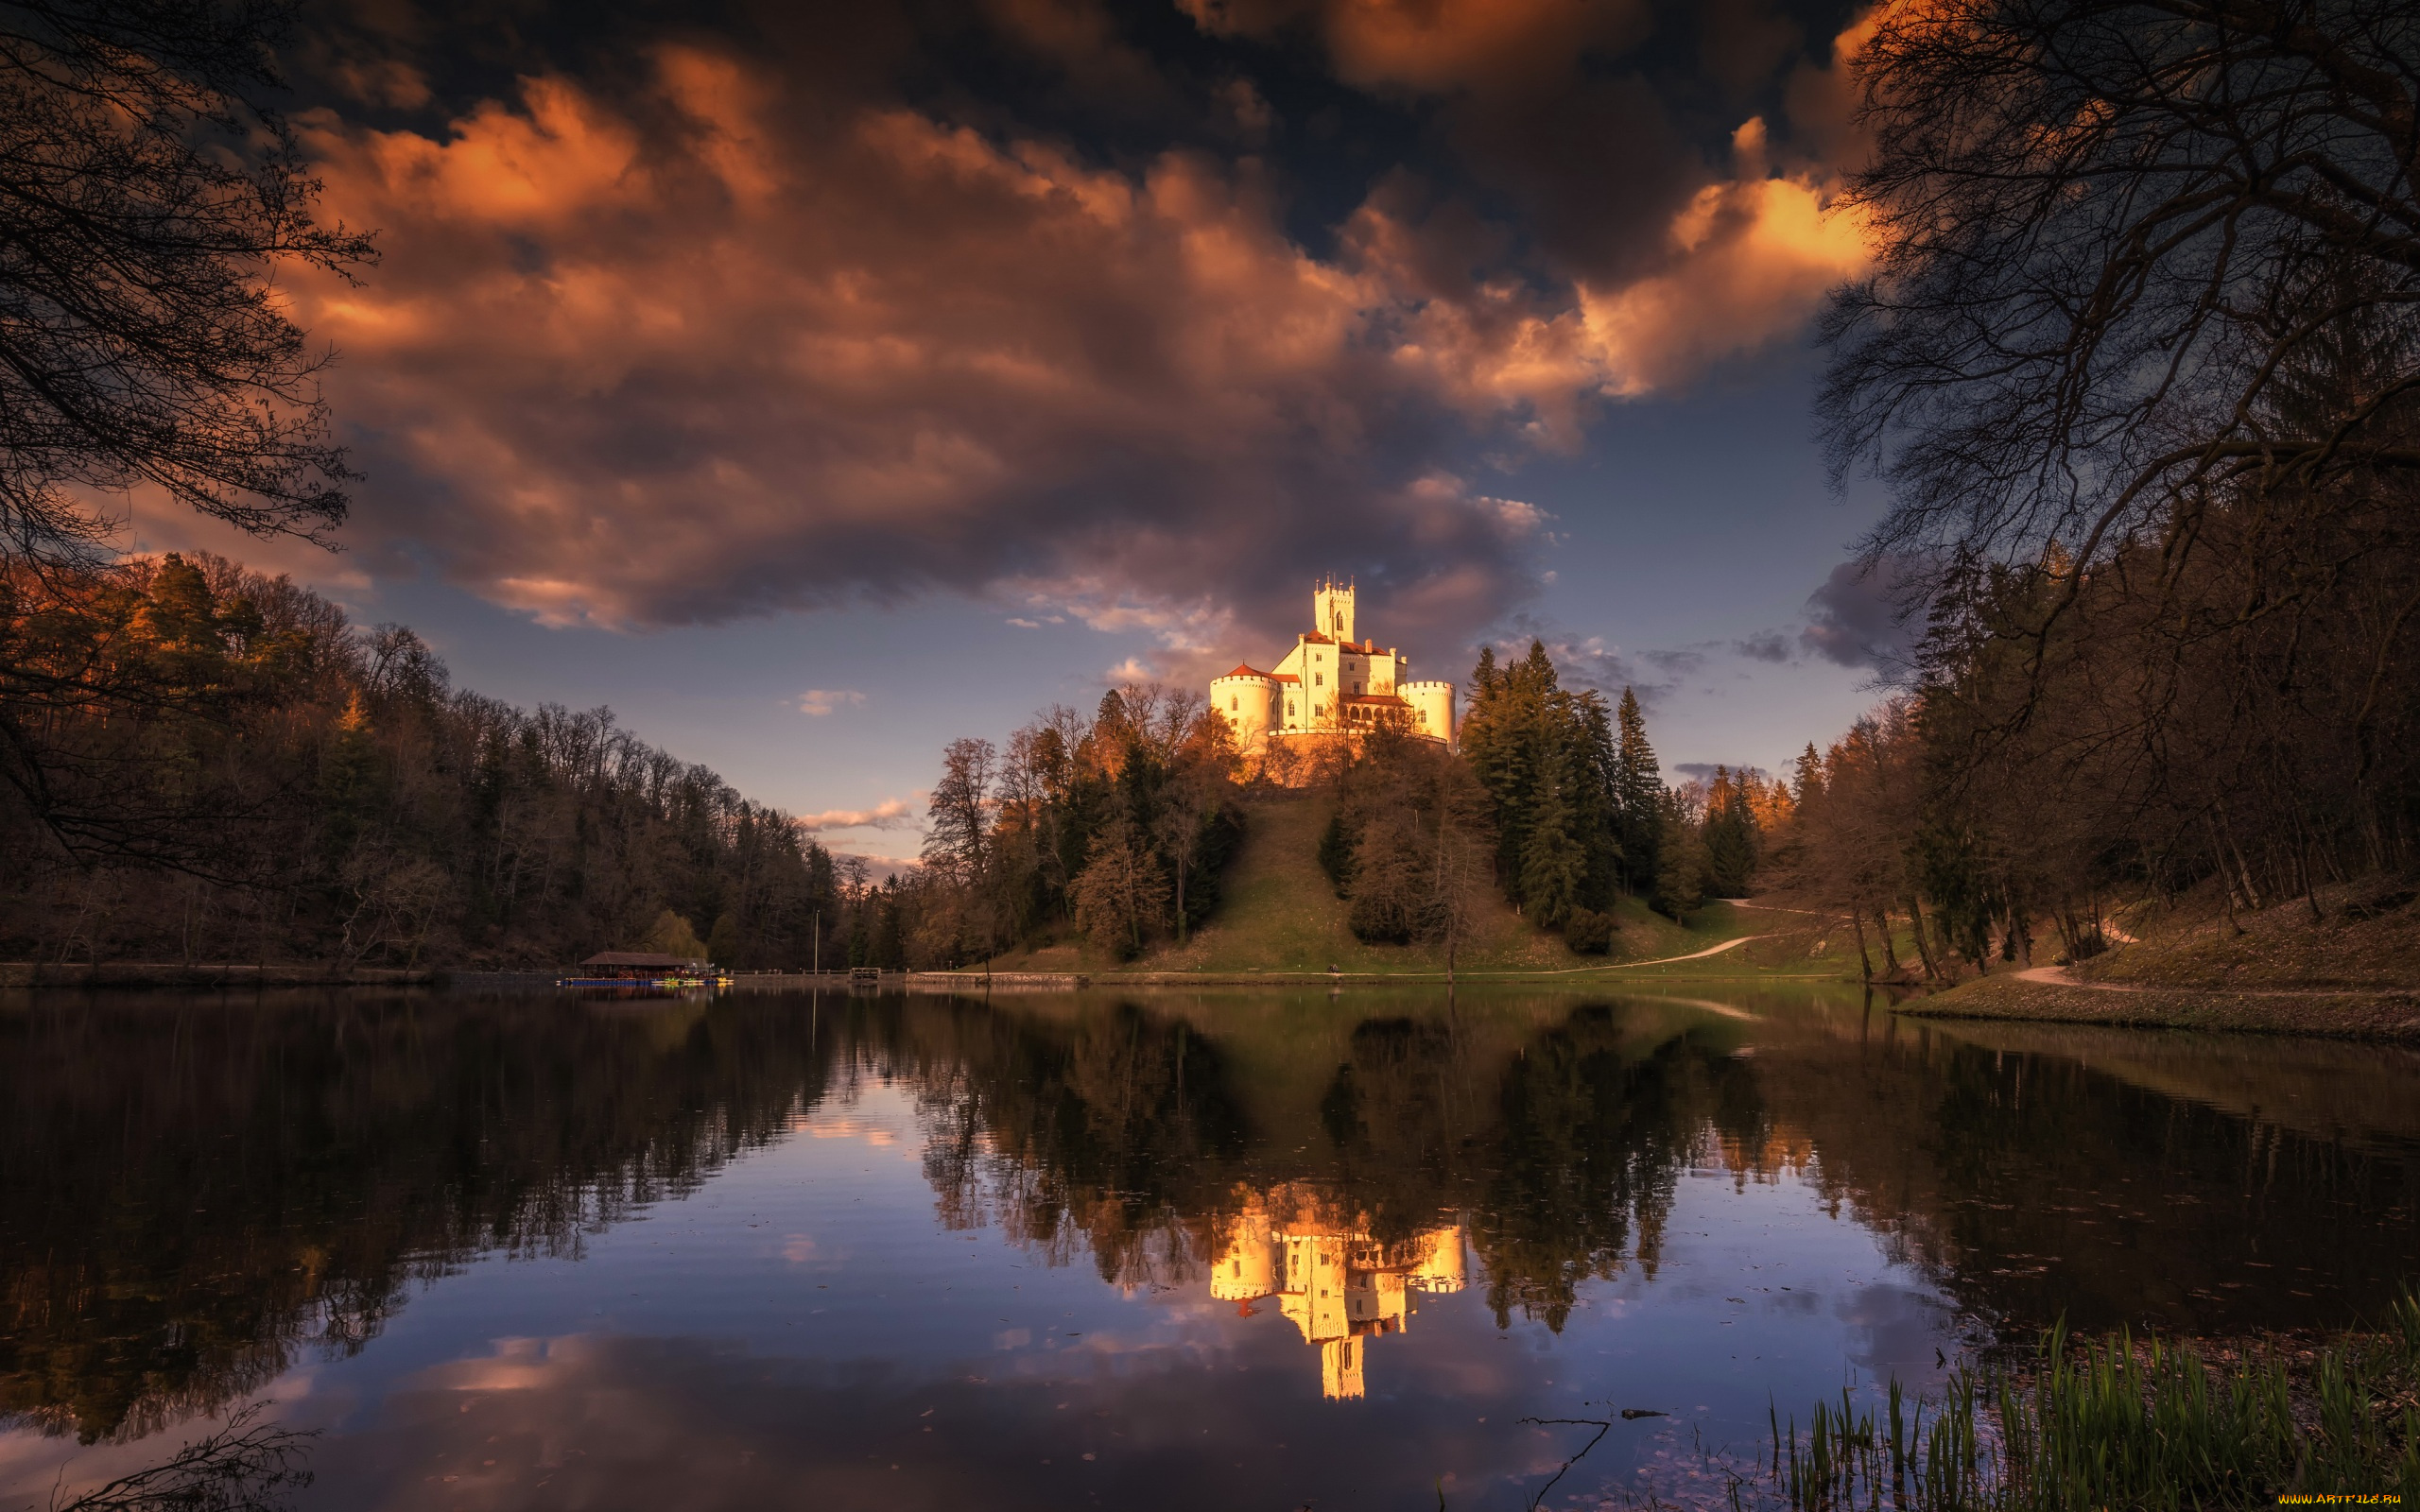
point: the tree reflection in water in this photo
(199, 1191)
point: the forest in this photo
(2139, 364)
(203, 763)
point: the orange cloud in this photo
(692, 360)
(1744, 263)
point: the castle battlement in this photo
(1330, 685)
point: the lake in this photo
(1202, 1249)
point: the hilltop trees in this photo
(1118, 824)
(1730, 834)
(1411, 845)
(1553, 768)
(1582, 812)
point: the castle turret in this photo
(1442, 1268)
(1249, 699)
(1432, 707)
(1248, 1269)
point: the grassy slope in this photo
(2362, 938)
(1279, 914)
(2353, 972)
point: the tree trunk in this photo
(1923, 951)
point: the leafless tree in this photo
(149, 195)
(2108, 234)
(2139, 360)
(243, 1465)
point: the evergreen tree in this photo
(1554, 864)
(1680, 865)
(1638, 808)
(1730, 835)
(1596, 802)
(1573, 798)
(1337, 845)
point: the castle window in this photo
(1319, 679)
(1233, 703)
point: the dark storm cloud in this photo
(680, 324)
(1765, 645)
(1680, 662)
(1859, 617)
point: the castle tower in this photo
(1341, 1369)
(1248, 1269)
(1332, 610)
(1249, 699)
(1442, 1269)
(1432, 707)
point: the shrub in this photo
(1588, 932)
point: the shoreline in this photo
(2391, 1016)
(173, 974)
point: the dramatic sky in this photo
(815, 384)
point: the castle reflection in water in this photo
(1331, 1279)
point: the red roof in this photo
(1317, 636)
(1281, 677)
(1244, 670)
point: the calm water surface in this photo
(1238, 1250)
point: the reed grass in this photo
(2116, 1422)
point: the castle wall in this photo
(1319, 672)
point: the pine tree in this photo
(1554, 864)
(1680, 865)
(1730, 835)
(1638, 797)
(1597, 800)
(1499, 740)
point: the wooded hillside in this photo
(202, 764)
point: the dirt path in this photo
(1621, 966)
(1667, 960)
(2061, 977)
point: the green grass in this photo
(2115, 1424)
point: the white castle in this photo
(1331, 1279)
(1329, 684)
